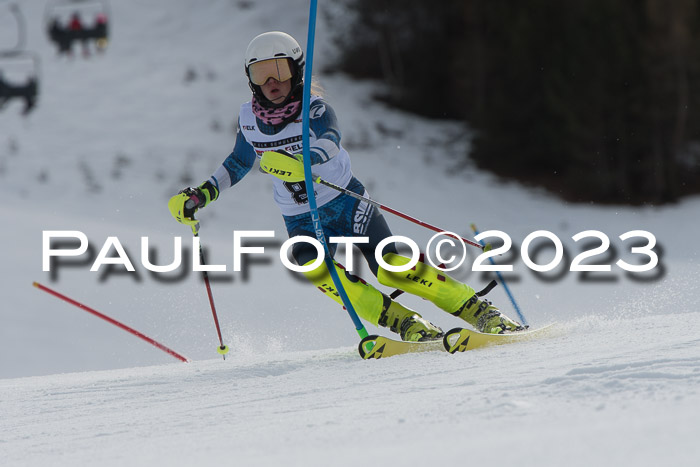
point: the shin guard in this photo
(426, 282)
(367, 300)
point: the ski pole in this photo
(111, 320)
(505, 286)
(222, 349)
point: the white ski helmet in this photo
(274, 45)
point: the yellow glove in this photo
(183, 205)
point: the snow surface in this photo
(116, 135)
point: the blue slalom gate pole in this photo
(523, 321)
(315, 218)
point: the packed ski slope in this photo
(594, 396)
(114, 136)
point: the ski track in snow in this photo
(115, 136)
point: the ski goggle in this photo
(277, 68)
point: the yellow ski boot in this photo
(407, 323)
(485, 317)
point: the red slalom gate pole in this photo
(321, 181)
(112, 321)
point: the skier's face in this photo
(276, 91)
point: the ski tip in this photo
(367, 345)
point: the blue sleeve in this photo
(323, 124)
(237, 164)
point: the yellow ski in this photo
(380, 347)
(456, 340)
(461, 340)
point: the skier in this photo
(99, 32)
(60, 35)
(78, 33)
(271, 121)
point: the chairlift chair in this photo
(19, 78)
(94, 16)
